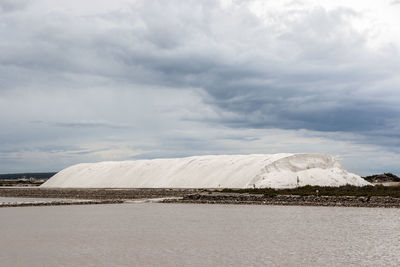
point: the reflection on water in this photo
(25, 200)
(198, 235)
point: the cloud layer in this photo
(103, 81)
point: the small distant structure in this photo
(298, 181)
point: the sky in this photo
(95, 80)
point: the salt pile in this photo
(222, 171)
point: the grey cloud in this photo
(56, 148)
(180, 50)
(84, 152)
(84, 124)
(12, 5)
(305, 69)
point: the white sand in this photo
(222, 171)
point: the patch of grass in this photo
(385, 177)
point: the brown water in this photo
(198, 235)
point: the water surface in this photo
(153, 234)
(27, 200)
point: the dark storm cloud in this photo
(322, 86)
(311, 76)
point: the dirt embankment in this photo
(208, 196)
(89, 193)
(289, 200)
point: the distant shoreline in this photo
(204, 196)
(290, 200)
(59, 203)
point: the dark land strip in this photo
(94, 193)
(290, 200)
(305, 196)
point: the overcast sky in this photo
(85, 81)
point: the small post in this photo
(317, 191)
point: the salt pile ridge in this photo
(222, 171)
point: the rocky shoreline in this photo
(94, 193)
(289, 200)
(207, 196)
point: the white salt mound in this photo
(222, 171)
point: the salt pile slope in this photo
(222, 171)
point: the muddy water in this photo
(152, 234)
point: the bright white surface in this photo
(222, 171)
